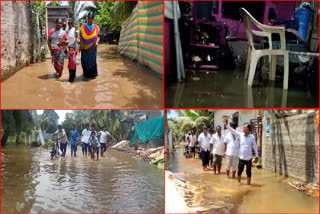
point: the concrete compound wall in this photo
(293, 147)
(16, 50)
(244, 116)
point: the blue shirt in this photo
(74, 136)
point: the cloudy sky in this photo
(61, 113)
(65, 3)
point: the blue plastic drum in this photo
(303, 15)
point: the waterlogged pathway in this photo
(32, 183)
(121, 83)
(211, 193)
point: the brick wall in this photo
(293, 147)
(16, 38)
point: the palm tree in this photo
(54, 3)
(111, 119)
(190, 119)
(121, 11)
(77, 8)
(93, 7)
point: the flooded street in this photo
(227, 89)
(267, 193)
(32, 183)
(121, 83)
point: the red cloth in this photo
(72, 60)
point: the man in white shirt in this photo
(217, 145)
(103, 141)
(247, 143)
(62, 139)
(187, 143)
(72, 35)
(193, 144)
(204, 143)
(232, 145)
(85, 140)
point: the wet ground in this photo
(32, 183)
(228, 89)
(121, 83)
(267, 193)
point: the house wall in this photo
(293, 147)
(16, 50)
(284, 10)
(55, 12)
(244, 116)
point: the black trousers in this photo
(72, 75)
(205, 157)
(241, 165)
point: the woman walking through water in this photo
(57, 39)
(89, 38)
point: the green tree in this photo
(103, 16)
(190, 119)
(121, 11)
(49, 121)
(110, 119)
(77, 8)
(54, 3)
(51, 114)
(94, 7)
(14, 122)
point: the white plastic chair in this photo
(255, 54)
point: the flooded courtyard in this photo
(228, 89)
(121, 83)
(32, 183)
(211, 193)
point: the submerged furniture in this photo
(206, 40)
(255, 54)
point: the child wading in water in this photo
(95, 144)
(72, 55)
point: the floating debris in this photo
(193, 196)
(308, 188)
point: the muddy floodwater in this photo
(228, 89)
(121, 83)
(32, 183)
(267, 193)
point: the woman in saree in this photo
(57, 39)
(89, 38)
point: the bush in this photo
(11, 140)
(23, 137)
(47, 144)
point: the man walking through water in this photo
(74, 137)
(204, 142)
(193, 144)
(62, 139)
(85, 140)
(217, 147)
(232, 145)
(72, 35)
(103, 141)
(247, 143)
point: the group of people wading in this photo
(237, 146)
(85, 41)
(92, 142)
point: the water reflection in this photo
(226, 89)
(39, 89)
(267, 194)
(31, 182)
